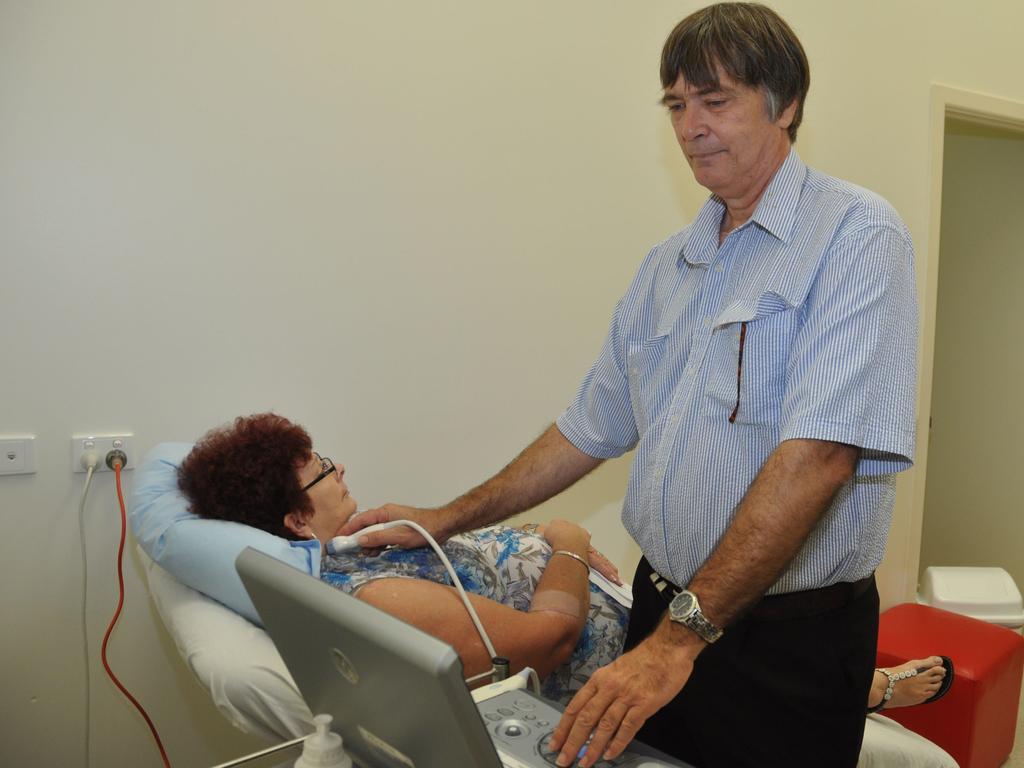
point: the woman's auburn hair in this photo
(247, 472)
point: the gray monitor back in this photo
(396, 694)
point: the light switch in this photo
(17, 454)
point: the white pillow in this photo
(234, 660)
(201, 553)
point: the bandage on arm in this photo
(556, 601)
(564, 591)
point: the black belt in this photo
(791, 605)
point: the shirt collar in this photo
(775, 212)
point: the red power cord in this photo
(117, 614)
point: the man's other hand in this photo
(618, 699)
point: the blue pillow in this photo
(197, 552)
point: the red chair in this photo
(977, 719)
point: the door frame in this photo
(981, 109)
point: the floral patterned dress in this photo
(503, 564)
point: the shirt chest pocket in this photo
(748, 360)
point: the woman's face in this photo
(333, 505)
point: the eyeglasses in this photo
(326, 469)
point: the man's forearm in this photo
(547, 466)
(785, 502)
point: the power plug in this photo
(90, 457)
(116, 459)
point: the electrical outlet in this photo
(102, 444)
(17, 454)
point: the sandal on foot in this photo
(944, 686)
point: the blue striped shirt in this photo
(820, 283)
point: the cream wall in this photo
(972, 504)
(402, 224)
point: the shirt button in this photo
(719, 268)
(707, 322)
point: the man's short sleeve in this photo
(600, 420)
(852, 371)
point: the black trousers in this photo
(773, 691)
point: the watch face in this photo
(683, 604)
(686, 610)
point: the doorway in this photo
(971, 502)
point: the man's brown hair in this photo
(751, 44)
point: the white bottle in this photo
(323, 748)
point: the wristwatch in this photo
(685, 609)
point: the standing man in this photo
(762, 363)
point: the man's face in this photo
(727, 136)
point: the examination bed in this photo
(235, 660)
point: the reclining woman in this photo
(530, 587)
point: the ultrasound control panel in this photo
(520, 724)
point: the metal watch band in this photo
(708, 631)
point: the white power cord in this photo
(90, 459)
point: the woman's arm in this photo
(542, 638)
